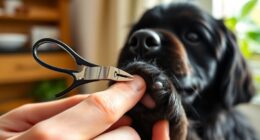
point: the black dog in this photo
(194, 72)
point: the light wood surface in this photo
(17, 68)
(19, 71)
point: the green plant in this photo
(247, 27)
(46, 90)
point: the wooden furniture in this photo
(18, 70)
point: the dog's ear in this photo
(235, 80)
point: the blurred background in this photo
(96, 29)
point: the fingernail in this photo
(138, 83)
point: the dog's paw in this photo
(159, 87)
(160, 101)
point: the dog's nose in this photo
(144, 42)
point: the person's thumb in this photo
(129, 93)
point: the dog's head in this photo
(197, 52)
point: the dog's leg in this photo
(179, 130)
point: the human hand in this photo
(96, 116)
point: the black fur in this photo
(202, 80)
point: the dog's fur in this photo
(203, 73)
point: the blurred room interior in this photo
(96, 29)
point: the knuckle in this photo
(42, 132)
(105, 106)
(23, 108)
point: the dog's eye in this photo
(192, 37)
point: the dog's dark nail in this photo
(158, 85)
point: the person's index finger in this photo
(100, 110)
